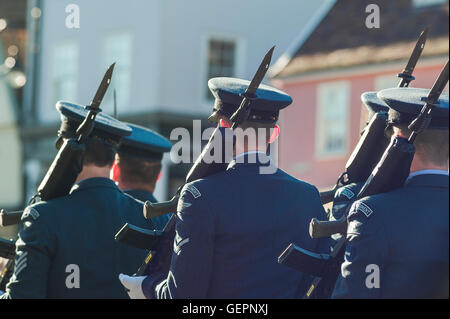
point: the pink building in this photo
(339, 60)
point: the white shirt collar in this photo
(428, 172)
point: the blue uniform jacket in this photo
(231, 227)
(398, 243)
(344, 198)
(66, 248)
(143, 196)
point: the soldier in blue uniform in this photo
(397, 242)
(346, 195)
(66, 248)
(232, 226)
(138, 165)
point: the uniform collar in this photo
(95, 182)
(430, 178)
(427, 172)
(257, 158)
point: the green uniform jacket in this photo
(66, 248)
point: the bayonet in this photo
(86, 127)
(406, 75)
(242, 112)
(260, 74)
(423, 120)
(95, 104)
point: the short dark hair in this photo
(431, 145)
(99, 153)
(137, 170)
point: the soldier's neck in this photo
(241, 149)
(124, 185)
(419, 164)
(92, 171)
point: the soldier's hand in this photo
(133, 285)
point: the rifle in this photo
(390, 173)
(138, 237)
(317, 265)
(159, 257)
(373, 143)
(359, 168)
(68, 162)
(7, 251)
(9, 218)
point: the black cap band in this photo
(255, 115)
(69, 128)
(404, 119)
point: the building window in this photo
(332, 119)
(426, 3)
(65, 72)
(221, 60)
(386, 82)
(118, 48)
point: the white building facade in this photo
(165, 50)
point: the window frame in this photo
(239, 59)
(321, 152)
(107, 60)
(72, 46)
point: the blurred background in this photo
(166, 50)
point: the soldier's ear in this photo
(275, 134)
(224, 123)
(115, 172)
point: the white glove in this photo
(133, 286)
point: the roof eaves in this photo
(301, 38)
(364, 55)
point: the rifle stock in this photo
(153, 210)
(138, 237)
(322, 229)
(304, 260)
(317, 265)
